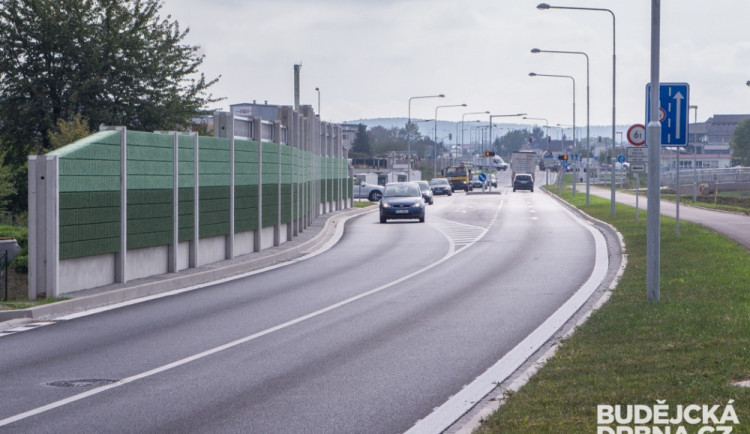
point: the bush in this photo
(20, 263)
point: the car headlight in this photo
(418, 205)
(385, 204)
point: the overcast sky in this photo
(368, 57)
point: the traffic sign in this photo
(674, 100)
(637, 155)
(637, 135)
(482, 177)
(638, 168)
(620, 158)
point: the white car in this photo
(363, 190)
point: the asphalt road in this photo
(367, 337)
(734, 225)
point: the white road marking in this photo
(230, 345)
(466, 398)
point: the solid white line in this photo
(457, 405)
(178, 363)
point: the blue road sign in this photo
(620, 158)
(674, 101)
(482, 177)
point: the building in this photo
(713, 136)
(265, 111)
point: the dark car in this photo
(523, 181)
(440, 186)
(402, 200)
(475, 183)
(426, 191)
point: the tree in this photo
(68, 132)
(361, 144)
(513, 141)
(740, 143)
(114, 62)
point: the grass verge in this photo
(686, 349)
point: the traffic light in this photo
(562, 157)
(489, 154)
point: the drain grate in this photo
(91, 382)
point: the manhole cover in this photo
(94, 382)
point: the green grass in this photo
(686, 349)
(26, 303)
(363, 203)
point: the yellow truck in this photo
(458, 176)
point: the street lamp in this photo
(501, 116)
(588, 117)
(434, 159)
(463, 116)
(575, 145)
(545, 6)
(408, 131)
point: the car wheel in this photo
(421, 219)
(514, 190)
(532, 190)
(375, 195)
(450, 193)
(383, 219)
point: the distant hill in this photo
(445, 127)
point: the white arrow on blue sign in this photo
(674, 99)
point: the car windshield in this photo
(423, 185)
(523, 177)
(402, 190)
(455, 171)
(440, 181)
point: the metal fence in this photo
(4, 273)
(707, 176)
(13, 219)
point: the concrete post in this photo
(44, 224)
(277, 227)
(230, 236)
(258, 136)
(121, 258)
(174, 248)
(195, 243)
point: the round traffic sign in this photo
(620, 158)
(637, 135)
(482, 177)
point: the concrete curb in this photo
(325, 232)
(496, 398)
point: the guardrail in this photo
(707, 176)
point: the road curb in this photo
(328, 228)
(497, 397)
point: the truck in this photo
(458, 176)
(494, 162)
(523, 162)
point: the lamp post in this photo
(408, 131)
(588, 111)
(463, 116)
(502, 116)
(575, 144)
(434, 158)
(546, 126)
(545, 6)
